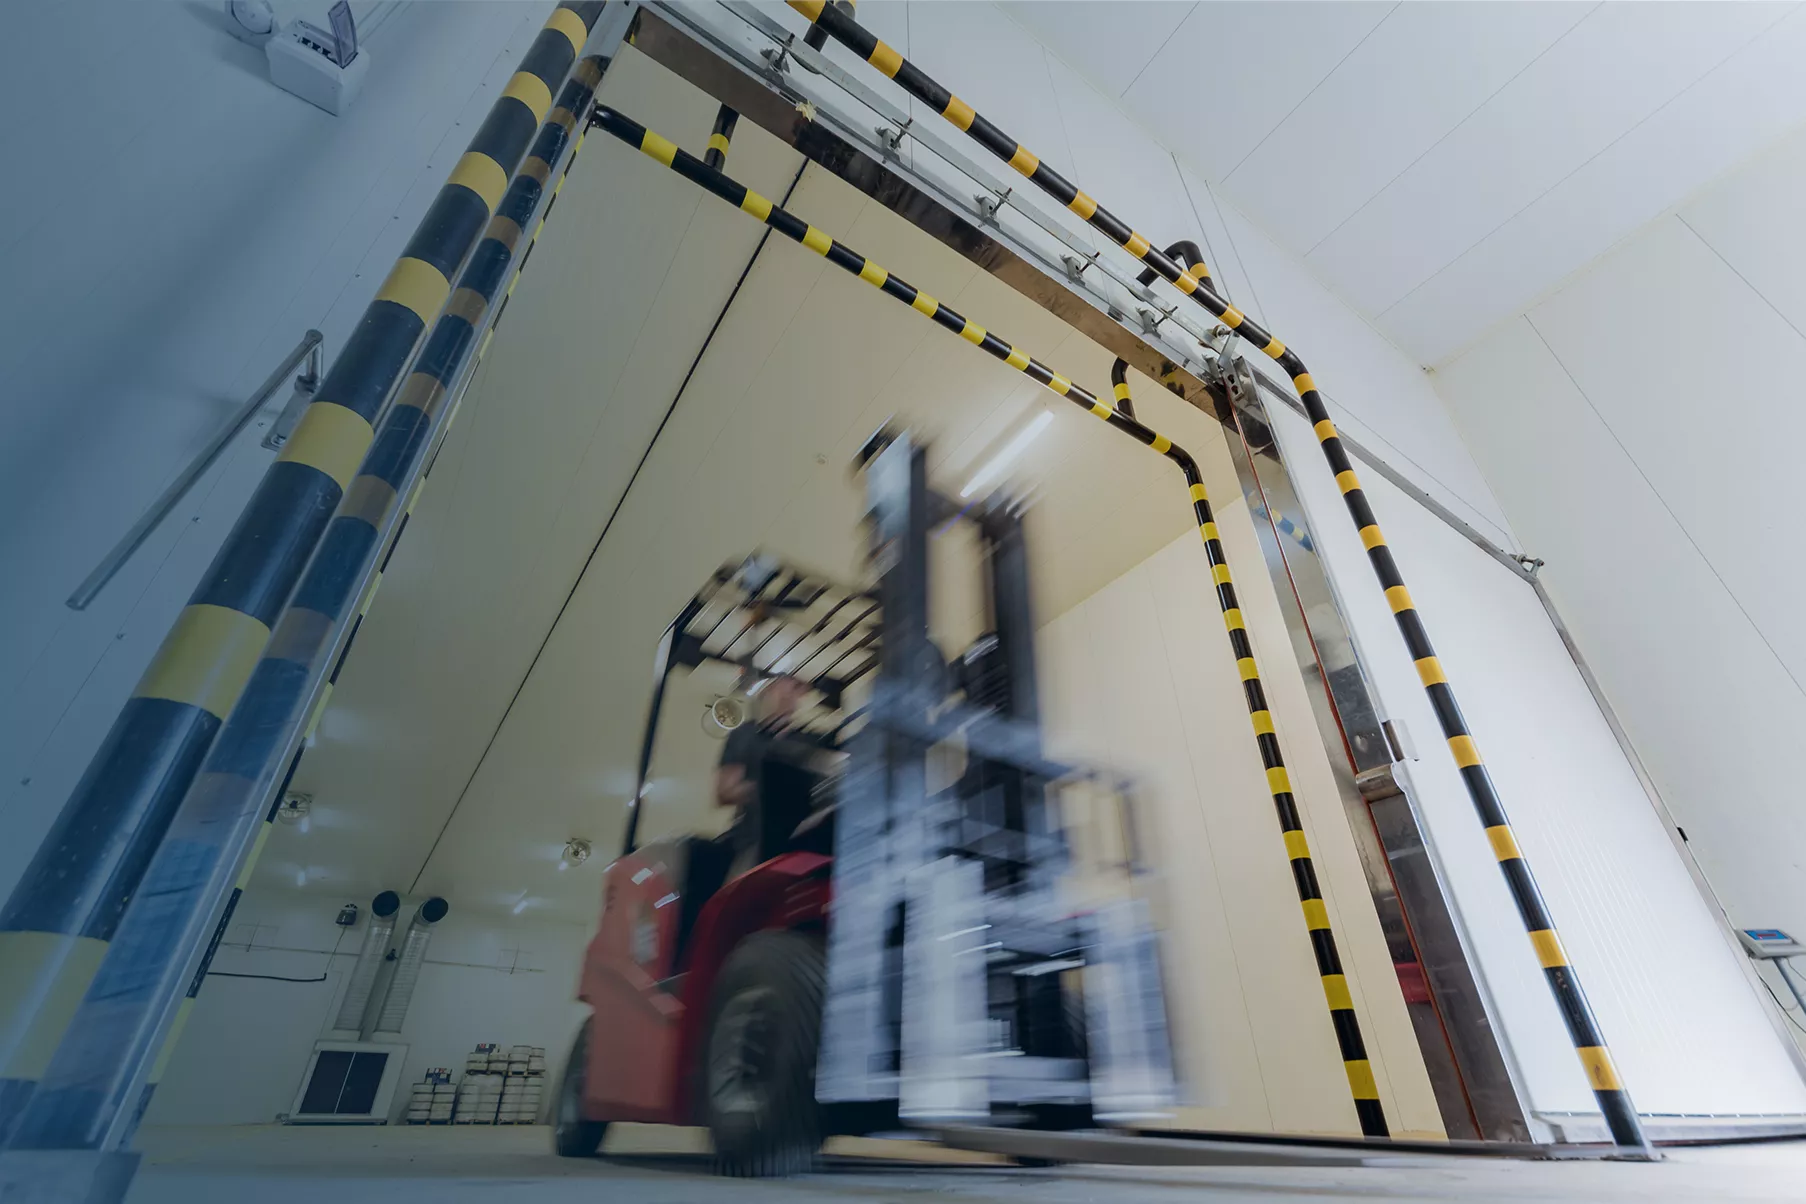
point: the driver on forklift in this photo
(761, 784)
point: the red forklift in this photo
(912, 942)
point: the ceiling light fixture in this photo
(1015, 447)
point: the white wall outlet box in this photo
(301, 61)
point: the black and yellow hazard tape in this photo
(1614, 1101)
(63, 912)
(1342, 1015)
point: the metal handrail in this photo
(307, 349)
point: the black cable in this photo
(597, 547)
(344, 929)
(270, 977)
(1785, 1010)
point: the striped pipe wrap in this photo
(55, 925)
(1323, 943)
(154, 942)
(1119, 385)
(1186, 254)
(719, 138)
(1564, 985)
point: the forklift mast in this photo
(959, 979)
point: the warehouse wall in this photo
(1688, 1029)
(247, 1041)
(177, 240)
(1641, 426)
(1140, 678)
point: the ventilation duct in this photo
(407, 969)
(369, 961)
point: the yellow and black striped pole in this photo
(1614, 1102)
(59, 919)
(124, 1018)
(1323, 943)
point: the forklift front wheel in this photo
(573, 1136)
(764, 1032)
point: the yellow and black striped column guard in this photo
(55, 926)
(231, 782)
(1323, 943)
(1583, 1029)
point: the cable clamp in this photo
(777, 60)
(1075, 271)
(891, 137)
(1152, 318)
(989, 205)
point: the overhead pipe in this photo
(1363, 1088)
(1119, 385)
(67, 922)
(726, 118)
(1563, 983)
(720, 137)
(1188, 255)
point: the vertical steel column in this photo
(56, 928)
(1329, 966)
(94, 1087)
(1564, 984)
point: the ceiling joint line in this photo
(1675, 518)
(1747, 283)
(1456, 128)
(1158, 51)
(1699, 79)
(1314, 87)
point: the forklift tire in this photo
(572, 1136)
(758, 1089)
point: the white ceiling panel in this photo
(1614, 69)
(1750, 100)
(1114, 41)
(1232, 71)
(1415, 78)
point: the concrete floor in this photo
(459, 1165)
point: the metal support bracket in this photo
(890, 137)
(989, 205)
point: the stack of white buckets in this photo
(499, 1087)
(430, 1102)
(503, 1087)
